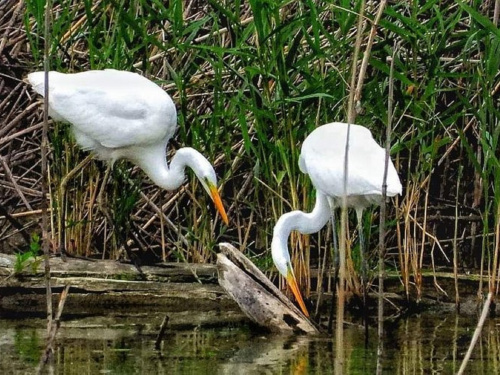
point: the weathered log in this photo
(257, 297)
(76, 267)
(105, 285)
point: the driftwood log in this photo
(257, 297)
(109, 287)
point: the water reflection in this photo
(429, 343)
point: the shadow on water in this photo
(428, 343)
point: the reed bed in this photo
(251, 80)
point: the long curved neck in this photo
(169, 177)
(305, 223)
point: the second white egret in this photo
(322, 158)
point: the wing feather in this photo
(112, 108)
(322, 157)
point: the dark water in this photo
(424, 344)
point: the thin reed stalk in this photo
(477, 333)
(383, 215)
(455, 250)
(44, 152)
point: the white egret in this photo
(322, 158)
(122, 115)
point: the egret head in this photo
(206, 174)
(281, 259)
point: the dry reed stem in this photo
(424, 228)
(44, 150)
(18, 134)
(383, 213)
(12, 124)
(455, 250)
(495, 267)
(196, 40)
(405, 251)
(434, 273)
(8, 97)
(76, 25)
(24, 189)
(10, 176)
(49, 349)
(366, 56)
(25, 213)
(161, 333)
(351, 113)
(449, 240)
(339, 331)
(9, 25)
(158, 211)
(496, 13)
(477, 333)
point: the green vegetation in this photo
(22, 259)
(251, 80)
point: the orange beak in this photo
(292, 282)
(218, 203)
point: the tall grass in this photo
(251, 80)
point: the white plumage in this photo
(122, 115)
(322, 158)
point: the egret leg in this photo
(121, 238)
(61, 217)
(335, 238)
(335, 259)
(362, 257)
(101, 205)
(334, 233)
(364, 266)
(100, 195)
